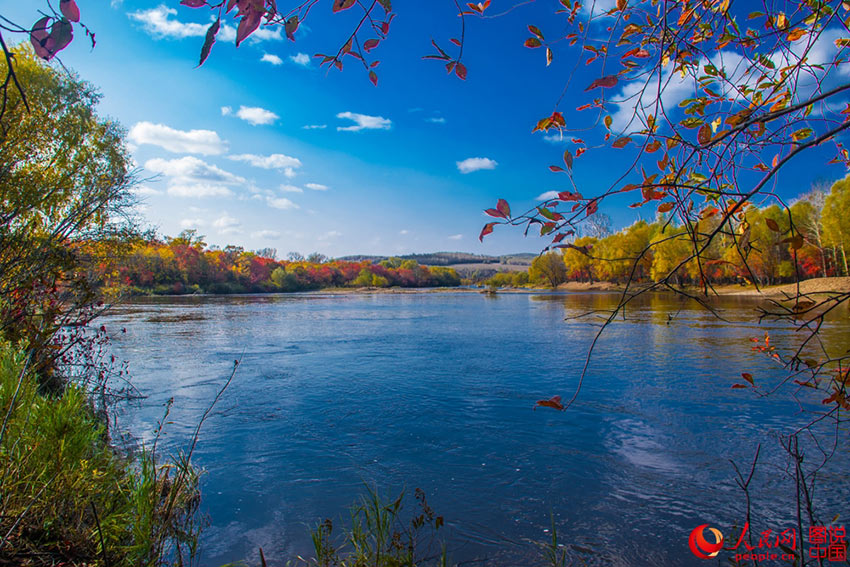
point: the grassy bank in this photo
(69, 498)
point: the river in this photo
(436, 391)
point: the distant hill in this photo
(453, 259)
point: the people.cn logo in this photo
(701, 547)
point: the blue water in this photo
(436, 391)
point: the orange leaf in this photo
(488, 228)
(554, 402)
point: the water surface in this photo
(436, 391)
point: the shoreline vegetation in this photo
(811, 286)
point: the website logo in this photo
(701, 547)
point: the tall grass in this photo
(378, 536)
(66, 496)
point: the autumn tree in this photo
(548, 269)
(65, 177)
(836, 221)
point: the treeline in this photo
(186, 265)
(768, 245)
(451, 258)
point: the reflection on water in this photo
(435, 391)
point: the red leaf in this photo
(772, 225)
(460, 70)
(621, 142)
(556, 168)
(248, 25)
(568, 160)
(567, 196)
(72, 12)
(748, 377)
(373, 77)
(61, 32)
(340, 5)
(370, 44)
(190, 3)
(40, 39)
(209, 41)
(604, 82)
(592, 207)
(488, 228)
(554, 402)
(532, 42)
(504, 208)
(738, 386)
(495, 213)
(665, 207)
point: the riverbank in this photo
(812, 286)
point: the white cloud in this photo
(204, 142)
(266, 234)
(300, 59)
(192, 223)
(637, 99)
(436, 120)
(475, 164)
(145, 191)
(281, 203)
(363, 122)
(315, 126)
(226, 221)
(255, 115)
(226, 111)
(329, 235)
(291, 189)
(199, 190)
(157, 22)
(456, 237)
(273, 59)
(192, 169)
(289, 172)
(547, 196)
(273, 161)
(263, 33)
(316, 186)
(598, 7)
(192, 177)
(404, 232)
(557, 138)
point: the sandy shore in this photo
(812, 286)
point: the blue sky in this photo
(262, 148)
